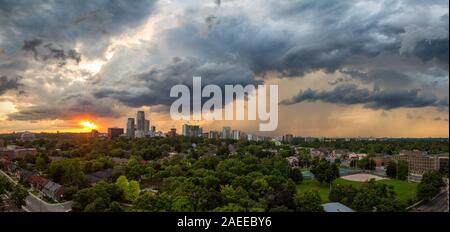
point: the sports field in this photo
(362, 177)
(404, 190)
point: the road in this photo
(438, 204)
(36, 204)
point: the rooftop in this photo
(336, 207)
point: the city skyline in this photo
(344, 68)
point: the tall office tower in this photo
(147, 126)
(226, 133)
(140, 121)
(130, 128)
(236, 135)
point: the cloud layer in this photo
(376, 99)
(97, 57)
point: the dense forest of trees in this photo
(388, 146)
(197, 174)
(210, 183)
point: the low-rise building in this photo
(13, 152)
(293, 161)
(288, 138)
(420, 162)
(172, 132)
(117, 160)
(53, 190)
(115, 132)
(5, 163)
(357, 156)
(27, 136)
(24, 174)
(96, 177)
(336, 207)
(38, 182)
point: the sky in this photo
(344, 68)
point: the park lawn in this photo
(403, 189)
(314, 185)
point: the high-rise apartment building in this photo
(213, 135)
(140, 121)
(185, 130)
(147, 126)
(226, 133)
(130, 128)
(236, 134)
(143, 125)
(288, 138)
(192, 131)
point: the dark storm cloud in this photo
(66, 108)
(243, 40)
(9, 83)
(293, 38)
(293, 52)
(433, 49)
(440, 119)
(50, 52)
(31, 45)
(375, 99)
(49, 31)
(66, 22)
(379, 77)
(153, 87)
(332, 36)
(428, 42)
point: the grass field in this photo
(404, 190)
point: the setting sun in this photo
(88, 125)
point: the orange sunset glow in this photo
(88, 126)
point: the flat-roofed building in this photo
(13, 152)
(336, 207)
(226, 132)
(420, 162)
(130, 128)
(288, 138)
(443, 162)
(115, 132)
(192, 131)
(213, 135)
(236, 134)
(27, 136)
(172, 132)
